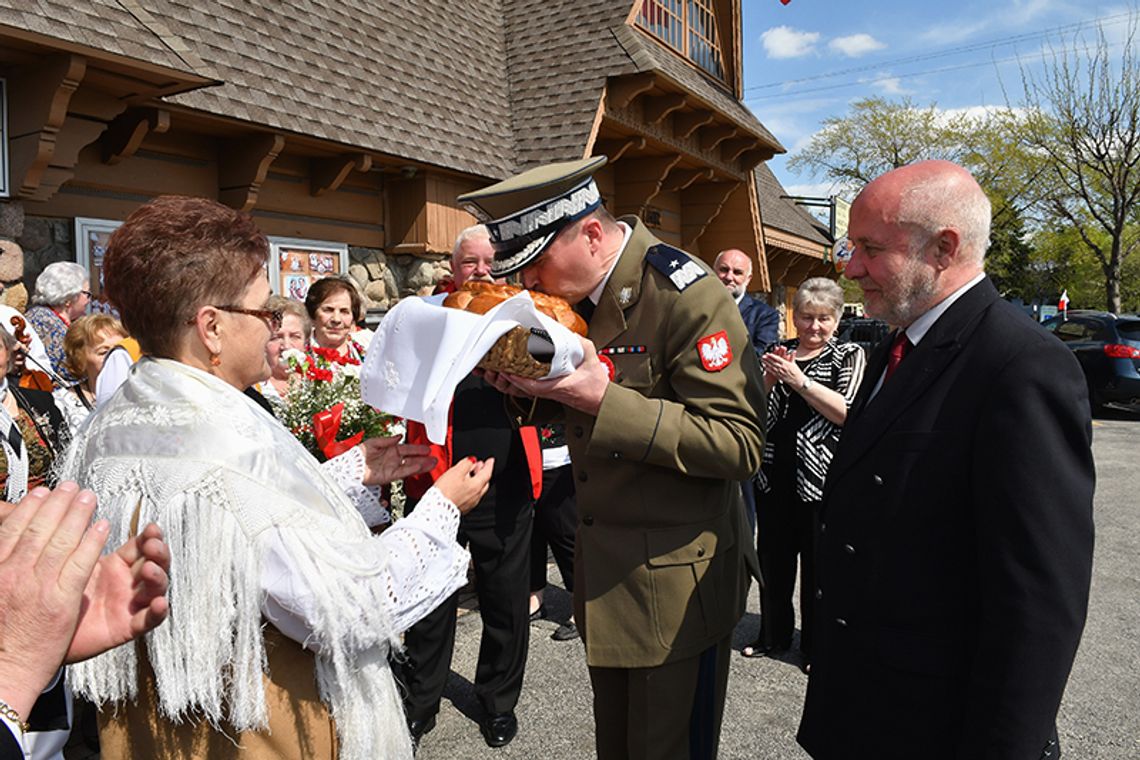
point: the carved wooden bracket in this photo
(640, 180)
(731, 149)
(327, 174)
(715, 135)
(679, 179)
(658, 107)
(685, 124)
(750, 159)
(702, 202)
(620, 92)
(242, 166)
(37, 111)
(126, 133)
(615, 149)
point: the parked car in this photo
(1108, 348)
(865, 331)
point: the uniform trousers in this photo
(785, 530)
(667, 712)
(555, 521)
(500, 552)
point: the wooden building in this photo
(348, 128)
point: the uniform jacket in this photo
(955, 547)
(762, 321)
(659, 570)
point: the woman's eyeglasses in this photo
(272, 316)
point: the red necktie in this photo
(900, 346)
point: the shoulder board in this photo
(675, 264)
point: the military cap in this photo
(524, 213)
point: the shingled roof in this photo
(781, 214)
(121, 29)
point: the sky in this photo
(955, 55)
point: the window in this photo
(687, 26)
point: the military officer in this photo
(662, 422)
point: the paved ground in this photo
(1099, 719)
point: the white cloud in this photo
(786, 42)
(887, 84)
(855, 45)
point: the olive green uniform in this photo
(660, 575)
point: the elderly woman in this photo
(30, 426)
(284, 607)
(334, 304)
(292, 335)
(811, 381)
(86, 344)
(62, 293)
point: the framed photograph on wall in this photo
(3, 138)
(91, 238)
(295, 264)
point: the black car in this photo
(1108, 348)
(862, 330)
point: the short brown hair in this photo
(174, 255)
(326, 287)
(291, 306)
(82, 333)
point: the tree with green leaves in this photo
(1084, 120)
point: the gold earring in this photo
(215, 360)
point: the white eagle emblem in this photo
(715, 351)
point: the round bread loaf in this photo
(480, 297)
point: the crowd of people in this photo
(282, 610)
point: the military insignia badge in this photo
(675, 264)
(625, 295)
(608, 363)
(715, 351)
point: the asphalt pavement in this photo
(1099, 717)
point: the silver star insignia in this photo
(674, 263)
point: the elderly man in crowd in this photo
(662, 422)
(497, 532)
(956, 533)
(734, 268)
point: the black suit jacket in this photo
(955, 547)
(762, 321)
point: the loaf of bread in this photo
(480, 297)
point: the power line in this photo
(989, 45)
(911, 75)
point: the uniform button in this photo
(582, 476)
(588, 520)
(578, 431)
(823, 527)
(615, 455)
(819, 593)
(849, 548)
(700, 551)
(878, 480)
(842, 623)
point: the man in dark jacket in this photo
(956, 534)
(734, 268)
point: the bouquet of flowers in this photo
(323, 407)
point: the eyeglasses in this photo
(272, 316)
(87, 293)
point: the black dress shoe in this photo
(418, 728)
(565, 632)
(499, 728)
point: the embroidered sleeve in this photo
(347, 470)
(424, 566)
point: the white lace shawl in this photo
(216, 471)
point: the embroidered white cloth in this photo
(422, 351)
(254, 525)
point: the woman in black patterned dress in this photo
(811, 381)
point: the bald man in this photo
(734, 268)
(956, 534)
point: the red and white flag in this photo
(1063, 304)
